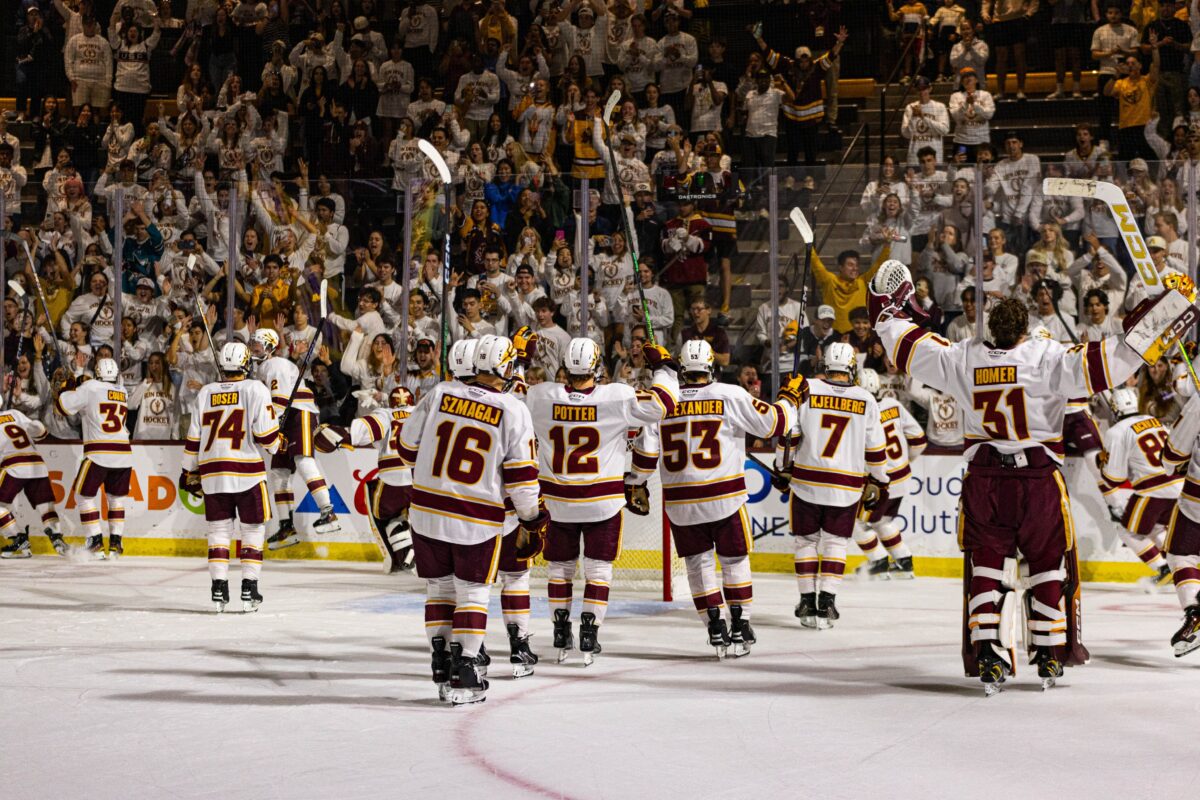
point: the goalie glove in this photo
(795, 391)
(890, 295)
(189, 481)
(658, 356)
(531, 535)
(525, 341)
(1154, 324)
(637, 499)
(873, 492)
(330, 437)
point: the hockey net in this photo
(647, 562)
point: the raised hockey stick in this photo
(19, 293)
(626, 212)
(801, 222)
(323, 302)
(37, 282)
(443, 171)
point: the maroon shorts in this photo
(601, 540)
(1142, 514)
(299, 431)
(251, 507)
(730, 536)
(508, 555)
(886, 508)
(808, 518)
(389, 502)
(92, 476)
(1080, 434)
(37, 490)
(1183, 538)
(1004, 509)
(467, 562)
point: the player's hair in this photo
(1008, 322)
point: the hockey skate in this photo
(806, 610)
(95, 547)
(18, 547)
(327, 522)
(1152, 583)
(718, 633)
(1049, 668)
(286, 536)
(902, 568)
(441, 667)
(522, 658)
(589, 643)
(992, 670)
(482, 661)
(466, 685)
(564, 641)
(1187, 638)
(741, 635)
(115, 548)
(57, 542)
(220, 594)
(874, 570)
(251, 599)
(827, 612)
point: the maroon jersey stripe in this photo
(582, 491)
(456, 505)
(704, 491)
(834, 478)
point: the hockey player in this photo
(107, 456)
(474, 471)
(1013, 391)
(836, 441)
(233, 418)
(392, 486)
(1132, 451)
(903, 442)
(23, 470)
(298, 424)
(1183, 539)
(703, 457)
(582, 430)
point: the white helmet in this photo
(582, 357)
(234, 357)
(107, 370)
(1124, 401)
(268, 340)
(869, 380)
(841, 357)
(495, 356)
(696, 356)
(462, 358)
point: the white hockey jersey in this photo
(102, 408)
(582, 442)
(1011, 399)
(703, 449)
(903, 441)
(381, 430)
(1133, 451)
(474, 463)
(280, 375)
(232, 419)
(1183, 447)
(17, 456)
(836, 440)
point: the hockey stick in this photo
(312, 346)
(443, 171)
(17, 291)
(37, 282)
(626, 212)
(801, 222)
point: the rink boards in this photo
(161, 521)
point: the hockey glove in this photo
(189, 481)
(780, 480)
(795, 391)
(658, 356)
(525, 341)
(531, 535)
(873, 492)
(330, 437)
(637, 499)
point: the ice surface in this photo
(120, 683)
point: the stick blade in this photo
(801, 223)
(431, 152)
(613, 99)
(324, 299)
(16, 288)
(1069, 187)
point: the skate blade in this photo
(563, 653)
(18, 554)
(283, 544)
(992, 689)
(808, 622)
(901, 576)
(722, 651)
(824, 624)
(219, 607)
(1183, 648)
(740, 649)
(462, 697)
(250, 606)
(331, 527)
(589, 659)
(443, 692)
(1048, 683)
(521, 670)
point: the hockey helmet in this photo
(400, 397)
(869, 380)
(1124, 401)
(495, 355)
(696, 356)
(107, 370)
(234, 357)
(462, 358)
(841, 357)
(582, 357)
(263, 344)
